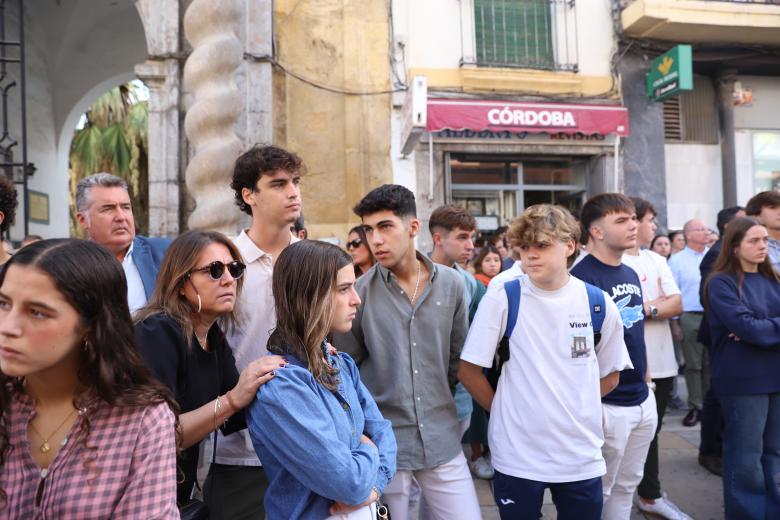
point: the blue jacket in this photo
(309, 441)
(147, 256)
(752, 364)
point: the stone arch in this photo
(77, 50)
(65, 135)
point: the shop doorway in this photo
(497, 189)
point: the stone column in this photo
(259, 72)
(162, 79)
(161, 73)
(725, 84)
(211, 28)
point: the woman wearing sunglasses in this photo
(180, 336)
(357, 247)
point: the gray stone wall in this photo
(644, 170)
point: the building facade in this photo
(720, 142)
(492, 104)
(523, 104)
(221, 76)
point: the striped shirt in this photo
(131, 474)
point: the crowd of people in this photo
(272, 375)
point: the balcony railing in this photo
(537, 34)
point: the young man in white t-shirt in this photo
(545, 426)
(662, 300)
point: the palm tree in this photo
(114, 139)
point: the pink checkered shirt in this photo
(133, 474)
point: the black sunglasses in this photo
(354, 244)
(217, 269)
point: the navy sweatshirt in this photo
(622, 284)
(752, 364)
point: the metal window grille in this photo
(538, 34)
(12, 55)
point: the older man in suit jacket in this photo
(104, 211)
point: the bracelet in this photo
(231, 402)
(217, 408)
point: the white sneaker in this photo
(664, 508)
(481, 468)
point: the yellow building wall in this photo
(343, 139)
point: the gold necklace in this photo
(45, 447)
(416, 285)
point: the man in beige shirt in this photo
(266, 182)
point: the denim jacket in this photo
(308, 438)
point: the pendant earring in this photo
(199, 303)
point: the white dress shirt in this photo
(136, 294)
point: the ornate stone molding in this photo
(211, 28)
(161, 25)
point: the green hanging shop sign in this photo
(670, 73)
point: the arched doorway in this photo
(112, 136)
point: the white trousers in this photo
(364, 513)
(448, 490)
(628, 431)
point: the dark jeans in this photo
(650, 487)
(521, 499)
(751, 456)
(711, 426)
(235, 492)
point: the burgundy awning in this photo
(473, 114)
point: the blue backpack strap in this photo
(597, 310)
(512, 289)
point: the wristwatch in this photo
(653, 311)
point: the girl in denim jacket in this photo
(325, 446)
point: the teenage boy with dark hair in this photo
(630, 417)
(765, 207)
(452, 229)
(266, 185)
(407, 338)
(545, 422)
(662, 301)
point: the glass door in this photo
(502, 188)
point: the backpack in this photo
(512, 288)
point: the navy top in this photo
(308, 438)
(752, 364)
(194, 375)
(622, 284)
